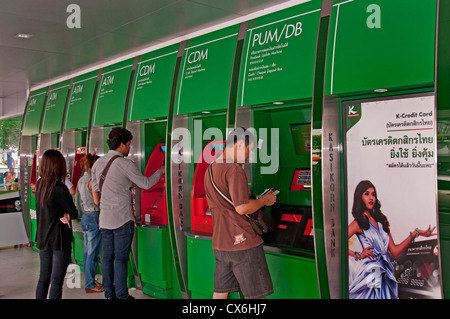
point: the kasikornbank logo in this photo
(352, 111)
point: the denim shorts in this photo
(245, 271)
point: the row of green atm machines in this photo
(258, 75)
(289, 247)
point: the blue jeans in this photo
(116, 252)
(92, 246)
(53, 270)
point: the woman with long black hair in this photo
(54, 210)
(375, 278)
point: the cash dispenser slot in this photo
(201, 218)
(153, 200)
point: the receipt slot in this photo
(201, 219)
(153, 200)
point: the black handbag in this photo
(261, 221)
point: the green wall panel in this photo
(398, 53)
(112, 93)
(292, 277)
(205, 75)
(201, 264)
(152, 83)
(153, 255)
(54, 107)
(155, 262)
(279, 53)
(80, 101)
(33, 112)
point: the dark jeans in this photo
(116, 252)
(53, 270)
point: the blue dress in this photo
(375, 277)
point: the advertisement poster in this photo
(391, 198)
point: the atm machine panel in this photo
(201, 219)
(301, 180)
(80, 152)
(293, 227)
(153, 200)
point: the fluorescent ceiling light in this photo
(23, 35)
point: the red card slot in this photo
(291, 218)
(309, 228)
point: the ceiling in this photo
(110, 29)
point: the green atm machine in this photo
(274, 99)
(29, 159)
(74, 141)
(52, 123)
(282, 162)
(52, 116)
(108, 112)
(199, 118)
(147, 120)
(363, 66)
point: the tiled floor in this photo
(19, 274)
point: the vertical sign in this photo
(331, 196)
(112, 93)
(393, 248)
(205, 74)
(278, 58)
(54, 107)
(80, 101)
(33, 112)
(152, 83)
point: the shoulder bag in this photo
(105, 171)
(261, 221)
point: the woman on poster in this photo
(375, 278)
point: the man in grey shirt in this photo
(116, 216)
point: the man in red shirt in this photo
(240, 261)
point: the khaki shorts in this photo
(245, 271)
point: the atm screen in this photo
(301, 180)
(293, 227)
(220, 147)
(301, 137)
